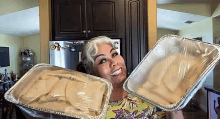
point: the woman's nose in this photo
(113, 62)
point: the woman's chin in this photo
(120, 78)
(119, 81)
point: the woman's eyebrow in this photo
(102, 54)
(98, 56)
(112, 49)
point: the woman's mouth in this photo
(116, 72)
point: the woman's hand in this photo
(178, 114)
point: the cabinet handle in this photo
(88, 31)
(84, 31)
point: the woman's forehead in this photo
(104, 48)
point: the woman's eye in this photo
(114, 54)
(102, 61)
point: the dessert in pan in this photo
(172, 72)
(171, 77)
(66, 92)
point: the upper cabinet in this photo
(104, 17)
(136, 32)
(69, 18)
(122, 19)
(83, 19)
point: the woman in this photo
(100, 58)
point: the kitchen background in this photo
(164, 17)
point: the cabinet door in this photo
(105, 17)
(69, 19)
(136, 32)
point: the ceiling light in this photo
(189, 22)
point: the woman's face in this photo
(110, 65)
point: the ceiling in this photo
(174, 20)
(26, 22)
(185, 1)
(21, 23)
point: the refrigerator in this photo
(66, 54)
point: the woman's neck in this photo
(117, 94)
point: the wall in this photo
(217, 11)
(33, 42)
(9, 6)
(15, 45)
(152, 22)
(202, 29)
(162, 32)
(216, 28)
(45, 29)
(216, 34)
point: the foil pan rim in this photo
(179, 103)
(8, 95)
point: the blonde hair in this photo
(89, 51)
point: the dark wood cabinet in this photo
(136, 32)
(69, 20)
(121, 19)
(84, 19)
(104, 17)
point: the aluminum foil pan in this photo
(13, 93)
(160, 56)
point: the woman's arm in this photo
(175, 115)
